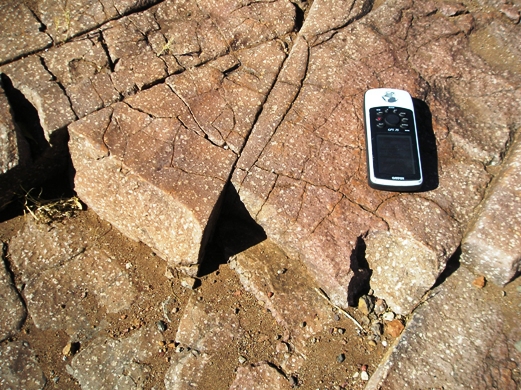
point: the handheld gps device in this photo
(393, 155)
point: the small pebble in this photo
(364, 375)
(479, 282)
(179, 349)
(372, 343)
(242, 359)
(270, 294)
(188, 282)
(356, 374)
(303, 324)
(341, 330)
(376, 328)
(161, 325)
(388, 316)
(293, 381)
(340, 358)
(385, 343)
(56, 379)
(336, 317)
(282, 271)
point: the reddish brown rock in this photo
(59, 272)
(302, 172)
(151, 177)
(394, 328)
(65, 20)
(21, 32)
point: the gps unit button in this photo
(392, 119)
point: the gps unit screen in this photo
(395, 155)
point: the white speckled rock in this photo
(455, 340)
(492, 245)
(107, 363)
(156, 164)
(19, 368)
(21, 32)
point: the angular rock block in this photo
(154, 179)
(155, 165)
(492, 245)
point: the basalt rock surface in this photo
(170, 104)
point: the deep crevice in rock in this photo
(452, 266)
(359, 284)
(235, 231)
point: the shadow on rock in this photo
(428, 150)
(235, 231)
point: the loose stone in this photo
(365, 304)
(395, 328)
(388, 316)
(479, 282)
(340, 358)
(364, 375)
(161, 325)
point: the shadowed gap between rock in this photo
(47, 173)
(359, 283)
(452, 266)
(235, 231)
